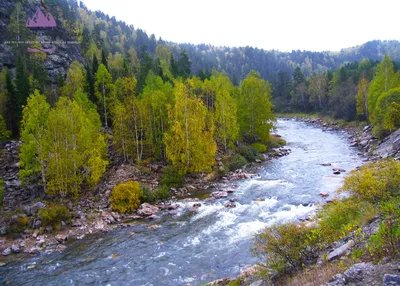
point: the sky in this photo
(283, 25)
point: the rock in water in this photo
(390, 280)
(147, 210)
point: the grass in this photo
(317, 275)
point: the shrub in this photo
(261, 148)
(160, 194)
(374, 182)
(237, 162)
(126, 197)
(288, 246)
(15, 224)
(340, 217)
(248, 152)
(275, 142)
(172, 177)
(386, 242)
(53, 215)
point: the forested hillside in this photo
(162, 101)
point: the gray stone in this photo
(340, 250)
(147, 210)
(6, 252)
(15, 249)
(357, 272)
(389, 279)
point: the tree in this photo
(104, 89)
(156, 97)
(4, 132)
(385, 79)
(18, 31)
(189, 143)
(227, 129)
(255, 108)
(75, 150)
(184, 65)
(362, 98)
(11, 105)
(33, 132)
(317, 89)
(75, 80)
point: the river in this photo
(195, 248)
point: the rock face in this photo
(14, 194)
(66, 48)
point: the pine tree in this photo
(22, 92)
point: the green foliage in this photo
(248, 152)
(53, 215)
(126, 198)
(255, 108)
(104, 90)
(172, 177)
(160, 194)
(375, 182)
(339, 218)
(387, 241)
(275, 142)
(288, 246)
(237, 161)
(189, 143)
(4, 132)
(16, 224)
(261, 148)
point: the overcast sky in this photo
(283, 25)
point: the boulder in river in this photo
(324, 195)
(6, 252)
(338, 170)
(230, 205)
(220, 195)
(147, 210)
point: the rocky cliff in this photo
(57, 62)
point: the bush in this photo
(386, 242)
(275, 142)
(288, 246)
(172, 177)
(261, 148)
(53, 215)
(248, 152)
(160, 194)
(341, 217)
(16, 224)
(376, 182)
(237, 162)
(126, 197)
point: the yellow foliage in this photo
(374, 182)
(126, 197)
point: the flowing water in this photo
(195, 248)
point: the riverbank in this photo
(350, 259)
(92, 213)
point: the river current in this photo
(195, 248)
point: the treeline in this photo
(121, 44)
(179, 121)
(366, 91)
